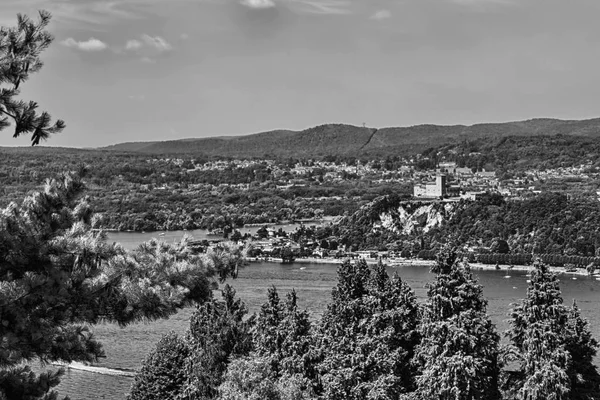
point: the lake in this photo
(126, 347)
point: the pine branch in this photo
(20, 49)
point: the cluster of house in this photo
(448, 180)
(273, 248)
(453, 182)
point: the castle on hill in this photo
(432, 190)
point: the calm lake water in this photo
(127, 347)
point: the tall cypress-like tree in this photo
(458, 353)
(297, 340)
(283, 334)
(280, 367)
(58, 276)
(218, 332)
(552, 344)
(538, 331)
(585, 380)
(266, 335)
(367, 335)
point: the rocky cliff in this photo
(410, 218)
(392, 216)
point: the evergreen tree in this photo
(163, 371)
(297, 341)
(583, 374)
(283, 334)
(458, 353)
(218, 332)
(20, 49)
(552, 344)
(279, 368)
(58, 276)
(368, 335)
(538, 336)
(266, 335)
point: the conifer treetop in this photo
(457, 358)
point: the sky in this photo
(146, 70)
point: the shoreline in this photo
(324, 220)
(424, 263)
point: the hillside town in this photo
(447, 180)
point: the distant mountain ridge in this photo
(340, 139)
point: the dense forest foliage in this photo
(375, 341)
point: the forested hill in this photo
(552, 223)
(338, 139)
(321, 140)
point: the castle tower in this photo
(440, 185)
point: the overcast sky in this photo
(141, 70)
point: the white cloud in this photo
(324, 6)
(156, 42)
(148, 48)
(258, 3)
(381, 14)
(483, 3)
(92, 44)
(133, 45)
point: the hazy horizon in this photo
(153, 70)
(22, 143)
